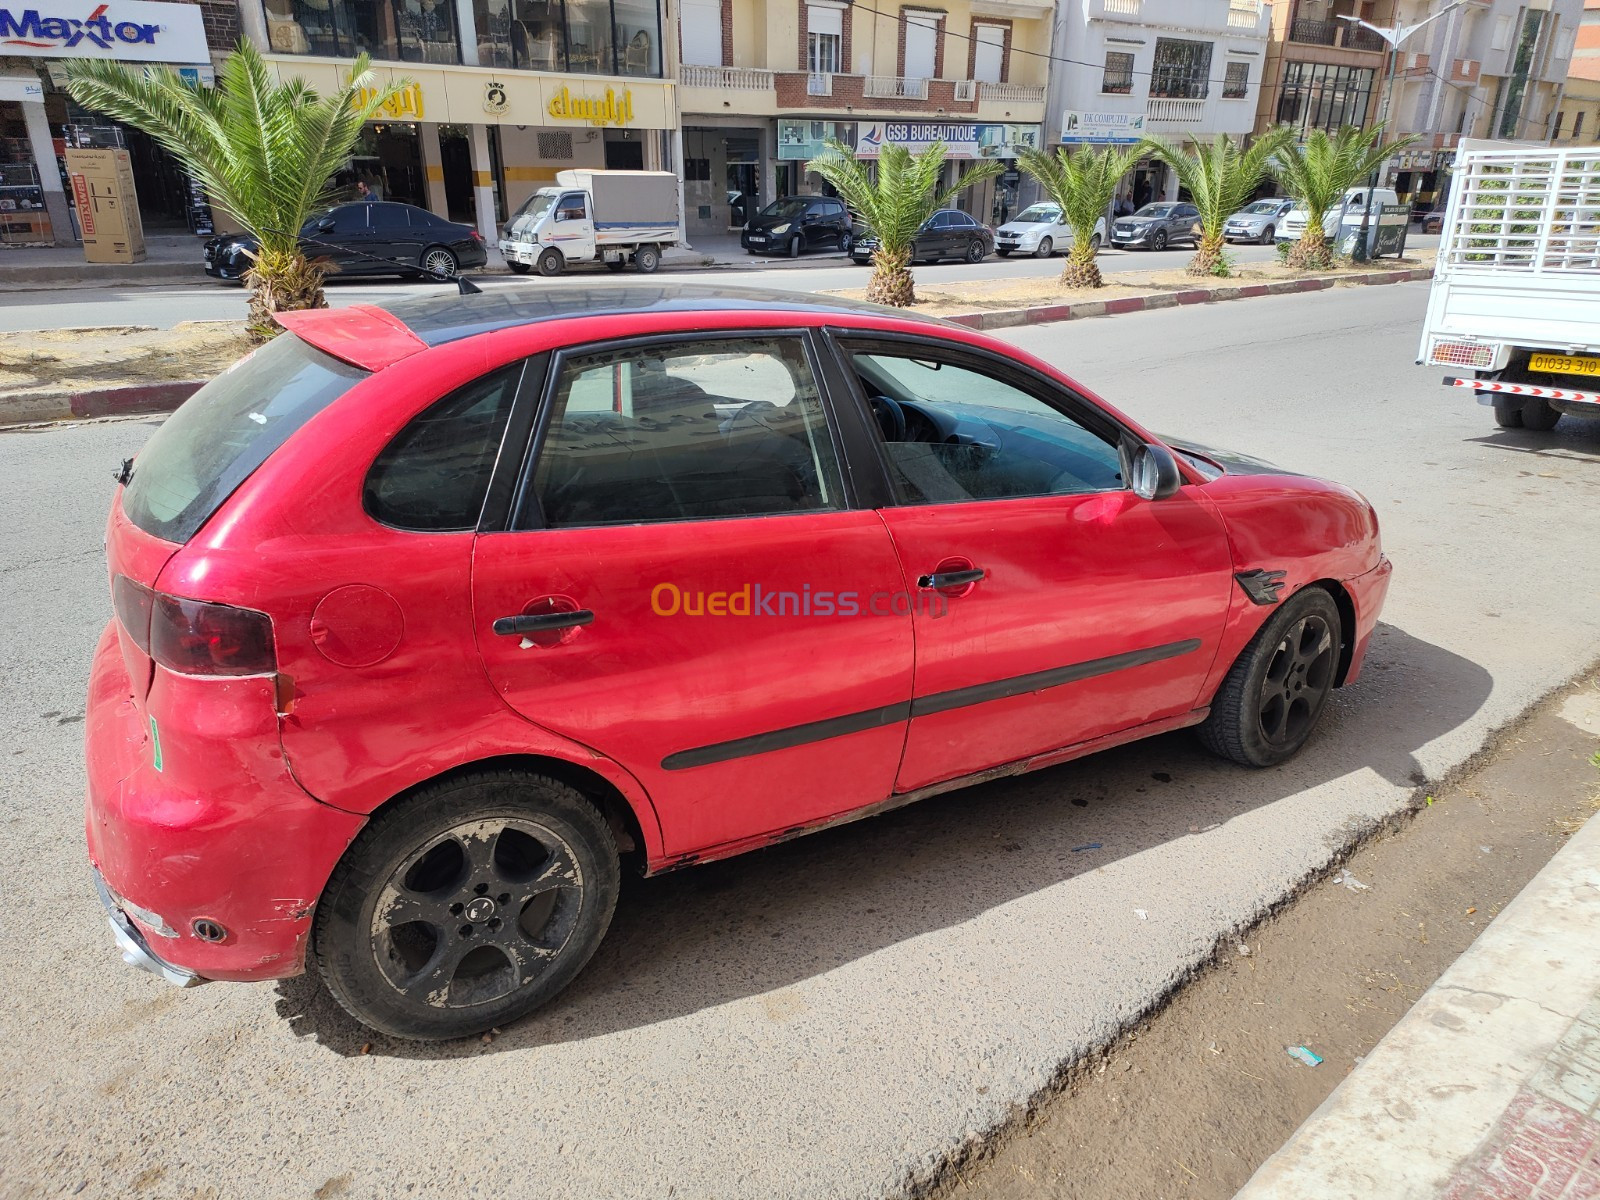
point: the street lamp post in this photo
(1393, 36)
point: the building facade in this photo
(1180, 69)
(1578, 115)
(765, 84)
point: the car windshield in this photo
(1154, 210)
(1037, 213)
(1265, 207)
(779, 209)
(534, 207)
(227, 429)
(311, 222)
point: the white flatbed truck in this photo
(614, 217)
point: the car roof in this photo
(447, 317)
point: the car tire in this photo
(518, 268)
(1046, 248)
(1094, 243)
(1537, 414)
(438, 263)
(976, 252)
(646, 259)
(794, 246)
(845, 242)
(551, 262)
(1158, 240)
(1269, 703)
(1269, 235)
(1508, 414)
(444, 854)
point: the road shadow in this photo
(751, 925)
(1574, 438)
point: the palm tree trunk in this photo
(891, 281)
(1081, 271)
(1209, 257)
(281, 281)
(1311, 250)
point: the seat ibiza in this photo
(430, 619)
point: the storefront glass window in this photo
(520, 33)
(638, 43)
(395, 30)
(589, 41)
(1322, 96)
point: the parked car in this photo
(1040, 231)
(949, 233)
(431, 617)
(1256, 222)
(367, 238)
(1433, 221)
(796, 224)
(1349, 209)
(1156, 226)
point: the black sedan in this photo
(367, 238)
(949, 233)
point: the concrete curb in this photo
(1009, 318)
(100, 402)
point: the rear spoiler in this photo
(361, 335)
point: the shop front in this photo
(39, 122)
(965, 143)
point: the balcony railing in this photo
(966, 91)
(819, 85)
(1179, 112)
(1125, 8)
(1013, 93)
(1313, 33)
(892, 87)
(1244, 14)
(1358, 38)
(736, 79)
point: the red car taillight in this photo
(194, 637)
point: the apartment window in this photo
(1118, 77)
(988, 53)
(1237, 82)
(922, 45)
(1514, 87)
(702, 32)
(824, 40)
(1577, 124)
(1561, 119)
(1322, 96)
(1182, 69)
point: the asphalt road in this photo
(829, 1017)
(213, 300)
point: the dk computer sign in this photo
(130, 30)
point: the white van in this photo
(1349, 211)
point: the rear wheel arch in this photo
(1347, 623)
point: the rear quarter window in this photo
(227, 429)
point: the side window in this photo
(955, 433)
(833, 209)
(571, 208)
(352, 218)
(685, 431)
(433, 476)
(388, 216)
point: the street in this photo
(832, 1016)
(214, 300)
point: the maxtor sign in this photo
(129, 30)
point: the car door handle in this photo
(945, 579)
(524, 624)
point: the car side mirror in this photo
(1155, 472)
(325, 225)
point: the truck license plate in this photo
(1563, 364)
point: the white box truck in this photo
(1516, 289)
(614, 217)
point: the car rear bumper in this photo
(1366, 593)
(215, 831)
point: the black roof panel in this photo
(448, 317)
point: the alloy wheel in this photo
(439, 262)
(478, 913)
(1297, 681)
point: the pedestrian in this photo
(369, 194)
(1124, 206)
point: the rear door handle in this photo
(945, 579)
(523, 624)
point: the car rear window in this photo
(226, 430)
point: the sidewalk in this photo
(1489, 1088)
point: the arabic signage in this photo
(610, 109)
(404, 105)
(26, 88)
(128, 30)
(961, 140)
(1101, 129)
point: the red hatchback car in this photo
(430, 617)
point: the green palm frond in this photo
(906, 192)
(264, 151)
(1080, 182)
(1320, 170)
(1222, 176)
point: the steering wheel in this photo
(891, 418)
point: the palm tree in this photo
(265, 152)
(894, 206)
(1220, 178)
(1319, 171)
(1081, 184)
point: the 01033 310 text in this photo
(754, 600)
